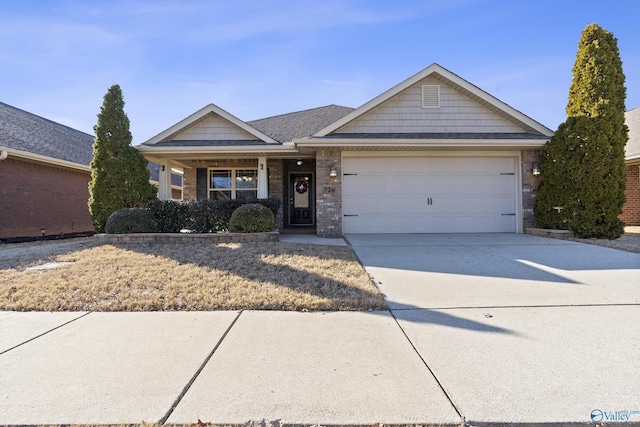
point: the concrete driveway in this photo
(517, 328)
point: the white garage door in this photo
(428, 194)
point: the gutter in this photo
(4, 153)
(418, 143)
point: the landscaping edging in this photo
(544, 232)
(272, 236)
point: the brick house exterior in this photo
(44, 170)
(631, 210)
(432, 154)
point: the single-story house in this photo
(44, 171)
(631, 210)
(433, 154)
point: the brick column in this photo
(328, 194)
(189, 184)
(276, 188)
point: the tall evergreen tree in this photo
(583, 165)
(119, 174)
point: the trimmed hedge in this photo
(172, 215)
(252, 218)
(131, 220)
(202, 216)
(210, 216)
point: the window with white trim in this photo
(233, 183)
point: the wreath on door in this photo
(302, 186)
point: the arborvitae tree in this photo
(119, 174)
(583, 178)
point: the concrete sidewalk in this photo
(219, 367)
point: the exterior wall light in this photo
(299, 162)
(536, 170)
(333, 172)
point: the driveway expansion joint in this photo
(186, 388)
(478, 307)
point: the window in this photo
(233, 184)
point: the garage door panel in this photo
(429, 194)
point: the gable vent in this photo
(430, 96)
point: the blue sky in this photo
(258, 58)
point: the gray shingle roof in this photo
(632, 118)
(286, 127)
(24, 131)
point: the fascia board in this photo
(485, 96)
(211, 108)
(151, 150)
(395, 143)
(45, 159)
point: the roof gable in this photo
(210, 123)
(28, 133)
(460, 99)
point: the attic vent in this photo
(430, 96)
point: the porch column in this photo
(164, 179)
(263, 179)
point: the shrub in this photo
(210, 216)
(583, 186)
(119, 174)
(172, 215)
(252, 218)
(131, 220)
(272, 203)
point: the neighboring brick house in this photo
(631, 210)
(44, 171)
(433, 154)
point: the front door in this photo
(301, 199)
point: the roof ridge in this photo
(299, 111)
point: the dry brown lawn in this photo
(184, 276)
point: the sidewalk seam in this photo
(45, 333)
(624, 304)
(446, 393)
(197, 374)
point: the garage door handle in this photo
(509, 214)
(349, 215)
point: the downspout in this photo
(3, 154)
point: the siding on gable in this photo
(403, 113)
(213, 128)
